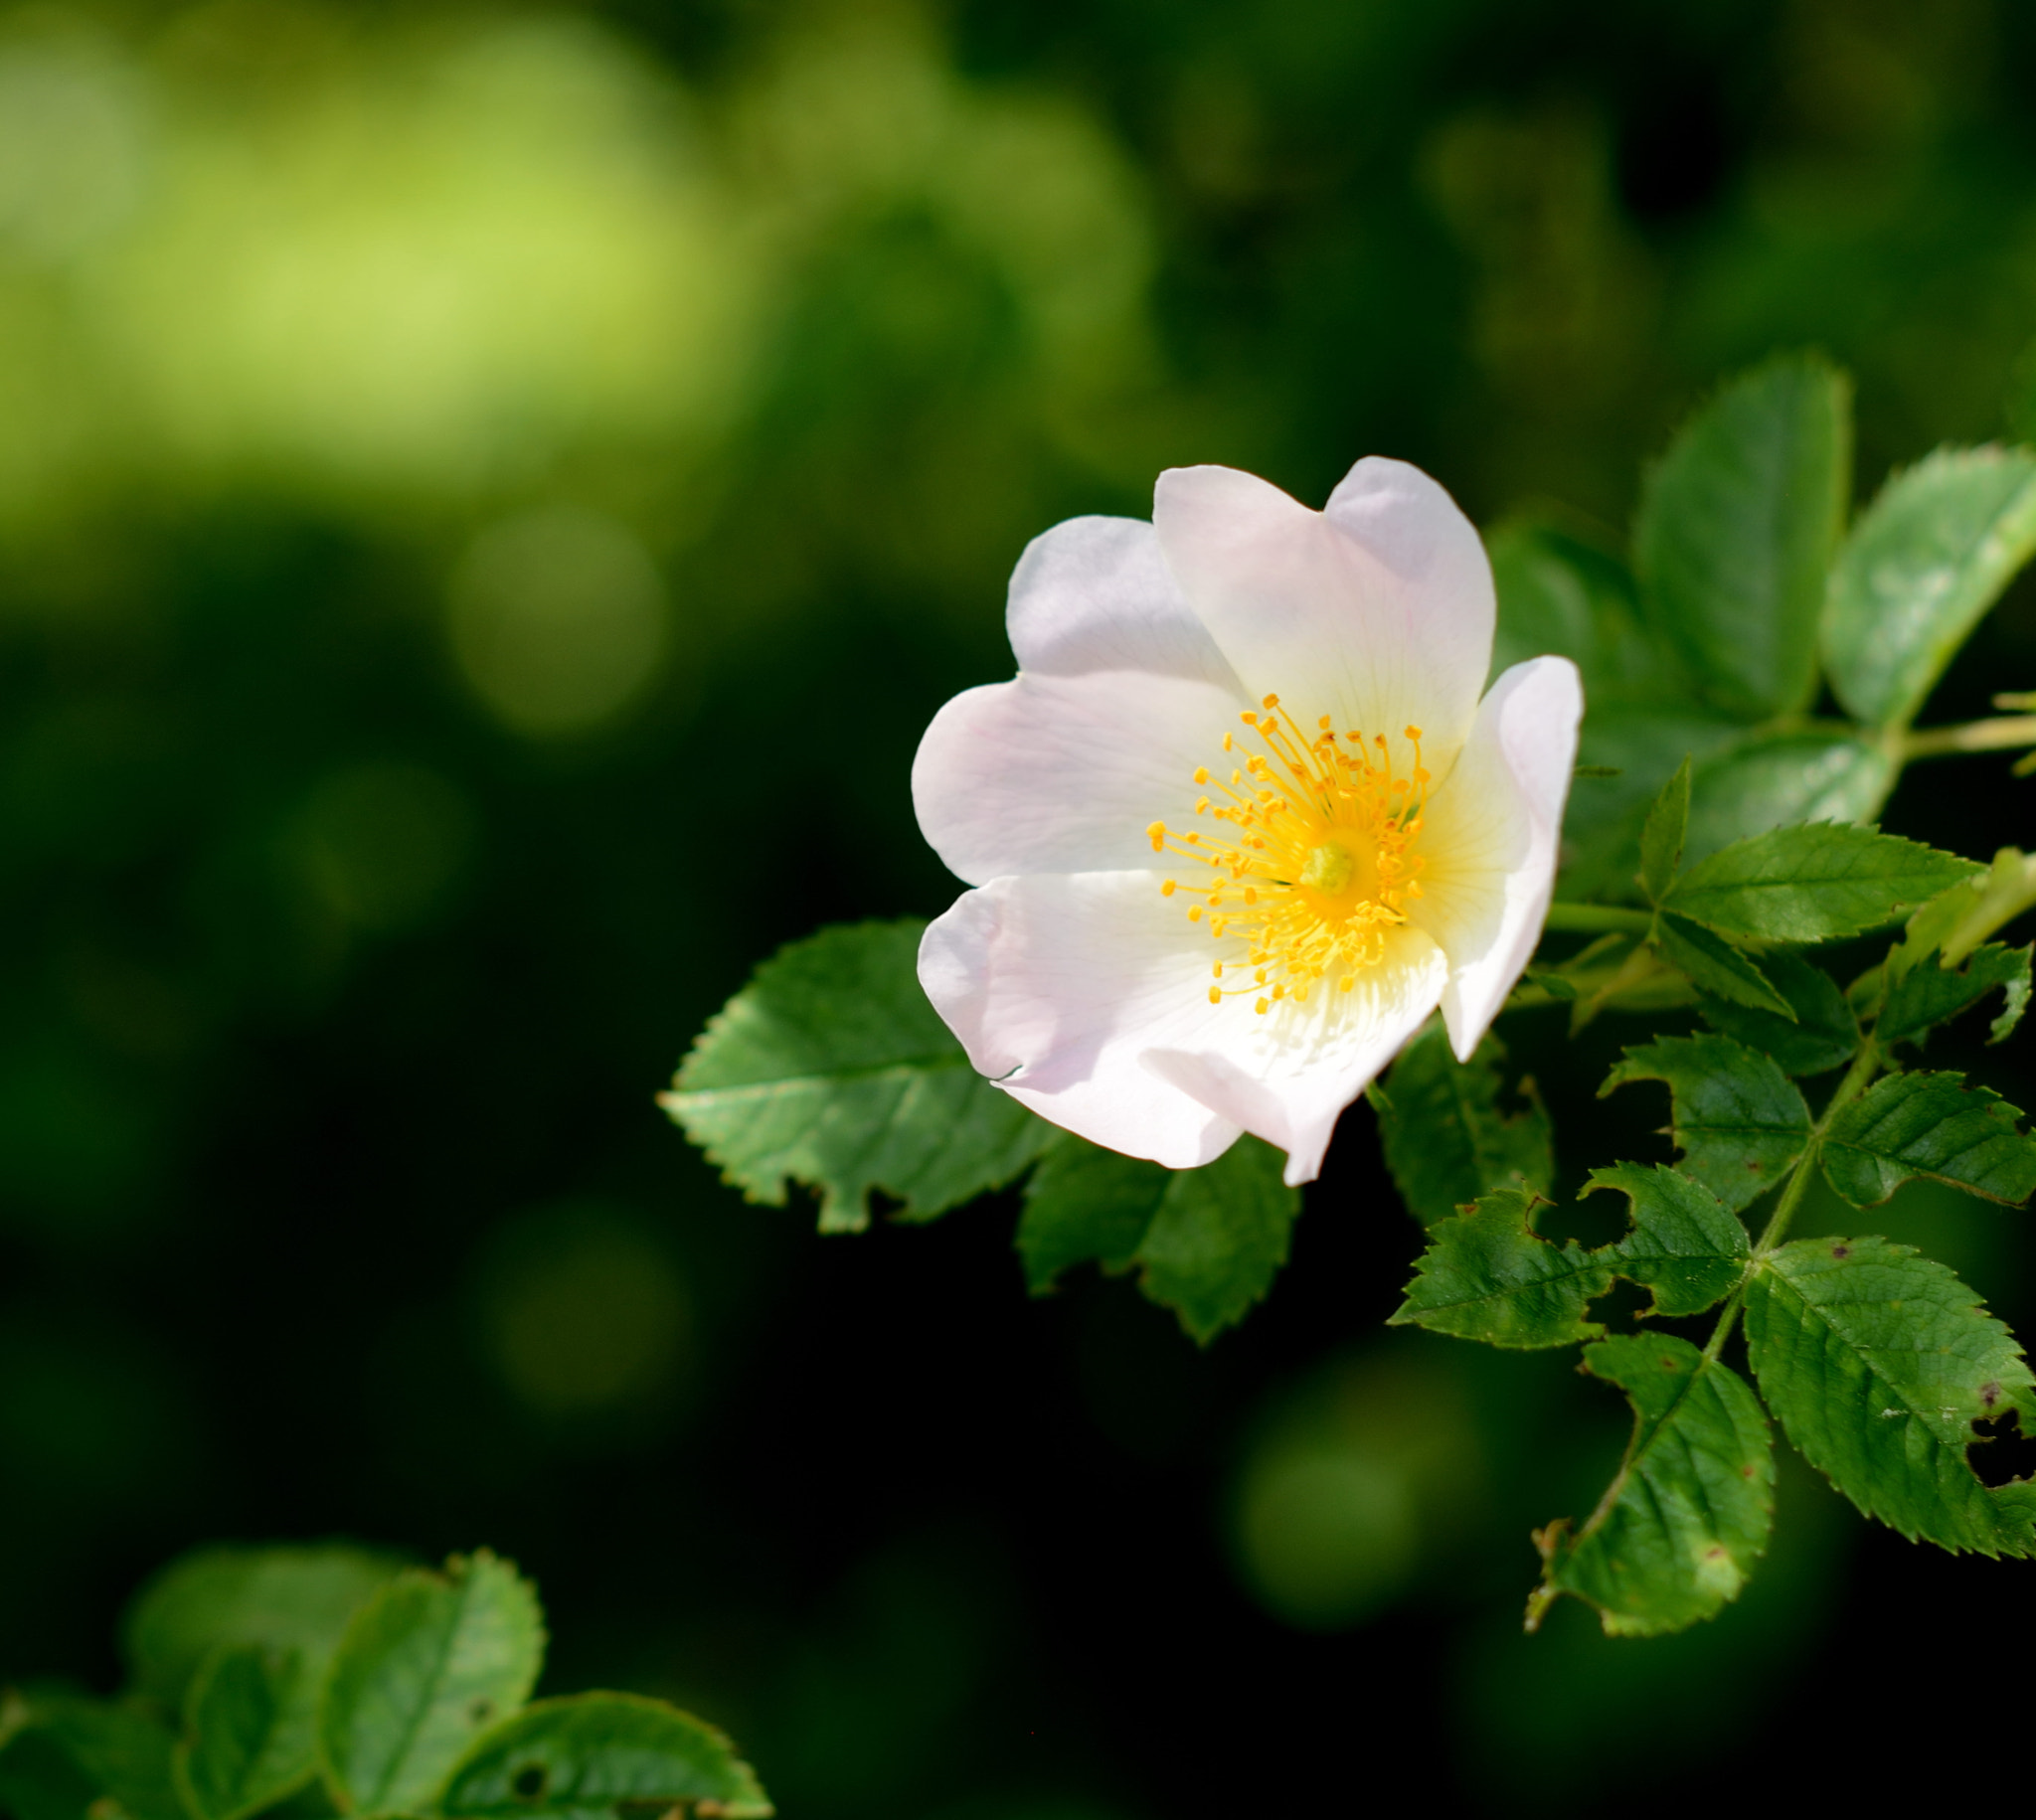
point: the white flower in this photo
(1242, 821)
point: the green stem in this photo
(1865, 1066)
(1970, 737)
(1596, 918)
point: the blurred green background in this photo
(489, 497)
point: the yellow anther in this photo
(1228, 742)
(1201, 774)
(1215, 995)
(1270, 702)
(1325, 724)
(1169, 887)
(1156, 834)
(1414, 733)
(1262, 1006)
(1202, 806)
(1216, 973)
(1195, 913)
(1248, 718)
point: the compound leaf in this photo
(1934, 1125)
(432, 1662)
(591, 1757)
(1814, 881)
(1822, 1033)
(1738, 1119)
(285, 1598)
(1445, 1139)
(1712, 965)
(1219, 1237)
(1737, 526)
(1488, 1275)
(1688, 1515)
(831, 1068)
(1924, 562)
(1878, 1362)
(1927, 992)
(1684, 1245)
(250, 1732)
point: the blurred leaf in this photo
(1934, 1125)
(1737, 528)
(1083, 1201)
(1684, 1246)
(113, 1753)
(830, 1068)
(1737, 1118)
(1219, 1237)
(1712, 965)
(284, 1598)
(1446, 1140)
(1662, 834)
(1558, 594)
(1689, 1513)
(1821, 1033)
(1924, 562)
(1877, 1362)
(1921, 996)
(1643, 743)
(434, 1661)
(592, 1756)
(1774, 780)
(1813, 883)
(250, 1732)
(1488, 1275)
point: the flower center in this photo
(1316, 862)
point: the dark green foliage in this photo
(1713, 965)
(1933, 1125)
(1820, 1034)
(1926, 559)
(1488, 1275)
(1688, 1515)
(251, 1730)
(591, 1756)
(1737, 528)
(1661, 835)
(55, 1747)
(1877, 1362)
(1445, 1139)
(1684, 1246)
(1737, 1118)
(1206, 1241)
(831, 1069)
(1927, 993)
(1813, 883)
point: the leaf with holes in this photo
(1812, 882)
(597, 1756)
(1713, 965)
(1878, 1362)
(1488, 1275)
(1682, 1525)
(1933, 1125)
(1445, 1139)
(1925, 561)
(1823, 1033)
(1927, 993)
(1684, 1246)
(431, 1663)
(1737, 528)
(830, 1068)
(250, 1732)
(1738, 1119)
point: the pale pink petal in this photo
(1287, 1077)
(1065, 773)
(1489, 840)
(1056, 985)
(1094, 593)
(1378, 612)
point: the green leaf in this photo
(284, 1598)
(1219, 1237)
(1737, 1118)
(434, 1661)
(250, 1732)
(1821, 1033)
(1712, 965)
(1737, 528)
(1488, 1275)
(1661, 835)
(1812, 882)
(1688, 1515)
(1924, 562)
(1877, 1362)
(57, 1745)
(1934, 1125)
(831, 1068)
(1446, 1140)
(1776, 780)
(1559, 594)
(592, 1756)
(1643, 742)
(1923, 996)
(1684, 1246)
(1208, 1241)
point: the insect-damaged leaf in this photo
(1927, 993)
(1738, 1118)
(1445, 1139)
(1934, 1125)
